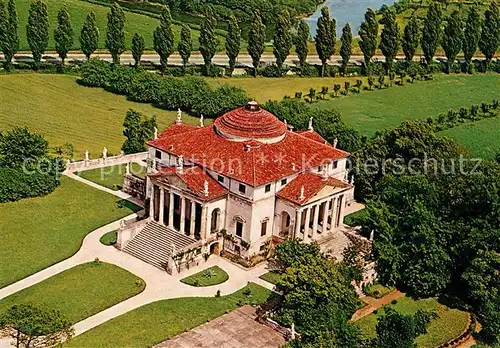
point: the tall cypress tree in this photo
(411, 38)
(115, 36)
(185, 45)
(472, 33)
(89, 36)
(431, 33)
(282, 38)
(208, 40)
(11, 40)
(346, 47)
(37, 30)
(326, 37)
(63, 34)
(301, 42)
(490, 32)
(256, 40)
(390, 40)
(233, 40)
(3, 24)
(368, 33)
(452, 38)
(163, 38)
(137, 48)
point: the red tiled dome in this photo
(250, 122)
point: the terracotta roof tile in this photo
(313, 135)
(175, 129)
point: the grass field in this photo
(78, 10)
(63, 111)
(112, 176)
(109, 238)
(39, 232)
(211, 276)
(271, 277)
(155, 322)
(450, 324)
(81, 291)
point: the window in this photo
(320, 168)
(334, 164)
(220, 178)
(283, 181)
(267, 188)
(158, 154)
(239, 228)
(262, 248)
(263, 228)
(242, 188)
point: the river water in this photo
(346, 11)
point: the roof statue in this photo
(156, 133)
(180, 163)
(205, 188)
(201, 121)
(178, 120)
(310, 127)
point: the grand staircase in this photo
(154, 244)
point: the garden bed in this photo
(208, 277)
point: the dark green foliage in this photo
(452, 38)
(115, 36)
(256, 40)
(37, 30)
(390, 40)
(3, 24)
(472, 33)
(326, 37)
(137, 48)
(346, 46)
(233, 40)
(431, 33)
(185, 45)
(9, 39)
(368, 33)
(411, 38)
(282, 38)
(490, 32)
(95, 73)
(19, 145)
(89, 36)
(121, 80)
(138, 130)
(163, 38)
(301, 42)
(208, 40)
(31, 326)
(63, 34)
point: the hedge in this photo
(15, 184)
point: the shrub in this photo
(95, 73)
(273, 70)
(217, 294)
(145, 88)
(309, 70)
(121, 79)
(394, 301)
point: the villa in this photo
(246, 180)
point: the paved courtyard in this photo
(237, 329)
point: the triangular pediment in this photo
(325, 192)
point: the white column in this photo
(325, 216)
(152, 203)
(334, 210)
(203, 225)
(315, 221)
(342, 208)
(162, 206)
(298, 221)
(183, 214)
(171, 209)
(306, 225)
(193, 217)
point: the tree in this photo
(163, 38)
(208, 40)
(3, 24)
(9, 39)
(185, 45)
(326, 37)
(490, 32)
(37, 30)
(452, 38)
(31, 326)
(346, 46)
(472, 33)
(115, 36)
(368, 33)
(431, 33)
(89, 36)
(256, 40)
(301, 42)
(19, 145)
(411, 38)
(138, 130)
(390, 41)
(63, 34)
(282, 38)
(233, 40)
(137, 48)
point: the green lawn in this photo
(78, 10)
(155, 322)
(208, 277)
(39, 232)
(63, 111)
(450, 324)
(377, 290)
(356, 218)
(272, 277)
(112, 176)
(81, 291)
(108, 238)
